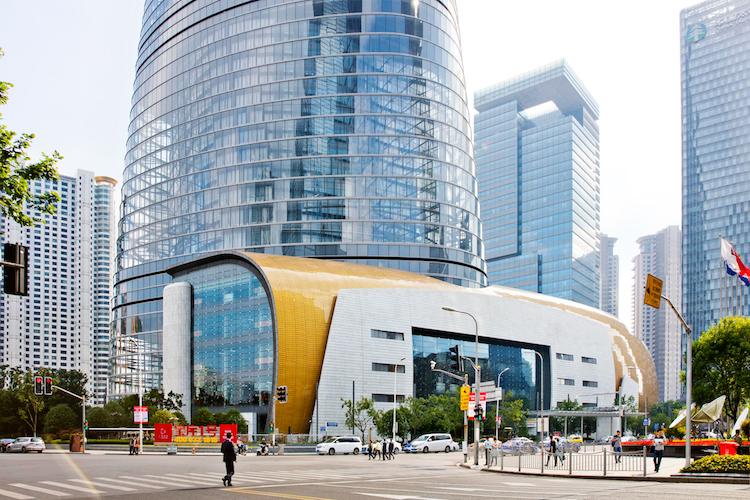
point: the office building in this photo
(610, 276)
(537, 155)
(64, 321)
(715, 66)
(660, 330)
(346, 330)
(338, 130)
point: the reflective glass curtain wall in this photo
(537, 154)
(335, 129)
(715, 64)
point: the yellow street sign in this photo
(652, 295)
(465, 390)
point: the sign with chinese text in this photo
(482, 402)
(140, 414)
(465, 390)
(168, 433)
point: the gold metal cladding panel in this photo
(304, 293)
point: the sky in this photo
(72, 64)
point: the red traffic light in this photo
(48, 386)
(38, 388)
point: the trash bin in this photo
(75, 443)
(728, 448)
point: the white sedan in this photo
(26, 444)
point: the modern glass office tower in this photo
(336, 129)
(659, 329)
(715, 52)
(610, 276)
(537, 155)
(64, 321)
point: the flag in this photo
(733, 263)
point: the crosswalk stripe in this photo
(17, 496)
(261, 479)
(140, 485)
(179, 478)
(112, 486)
(217, 477)
(71, 487)
(158, 481)
(40, 490)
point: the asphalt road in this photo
(307, 477)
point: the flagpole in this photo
(722, 272)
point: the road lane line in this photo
(278, 495)
(181, 479)
(41, 490)
(129, 483)
(112, 486)
(236, 477)
(17, 496)
(161, 482)
(76, 488)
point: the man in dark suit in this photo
(230, 457)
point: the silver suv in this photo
(26, 444)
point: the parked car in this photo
(565, 444)
(520, 445)
(26, 444)
(396, 448)
(431, 442)
(5, 442)
(604, 440)
(341, 444)
(575, 438)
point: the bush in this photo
(674, 433)
(745, 428)
(721, 463)
(59, 417)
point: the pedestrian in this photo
(391, 447)
(230, 457)
(738, 440)
(552, 450)
(617, 445)
(377, 449)
(370, 451)
(658, 449)
(132, 445)
(137, 445)
(384, 450)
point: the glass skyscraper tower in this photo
(336, 129)
(715, 52)
(537, 154)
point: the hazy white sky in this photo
(72, 63)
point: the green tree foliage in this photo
(60, 417)
(16, 172)
(233, 416)
(31, 405)
(118, 415)
(181, 420)
(745, 429)
(514, 415)
(359, 415)
(721, 364)
(664, 413)
(99, 417)
(163, 417)
(203, 417)
(383, 422)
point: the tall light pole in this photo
(541, 392)
(497, 404)
(140, 392)
(395, 373)
(477, 377)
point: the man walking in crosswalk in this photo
(230, 457)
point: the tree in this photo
(721, 364)
(163, 417)
(31, 405)
(59, 417)
(203, 417)
(514, 416)
(233, 416)
(359, 415)
(383, 421)
(70, 380)
(98, 417)
(16, 172)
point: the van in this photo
(340, 444)
(431, 442)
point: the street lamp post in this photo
(395, 373)
(477, 377)
(541, 393)
(140, 393)
(497, 403)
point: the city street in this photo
(419, 477)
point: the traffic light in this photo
(85, 425)
(281, 393)
(455, 359)
(38, 386)
(479, 412)
(47, 386)
(270, 428)
(16, 279)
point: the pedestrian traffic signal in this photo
(281, 393)
(47, 386)
(38, 386)
(16, 279)
(455, 359)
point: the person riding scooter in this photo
(263, 449)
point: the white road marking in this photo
(18, 496)
(140, 485)
(179, 478)
(395, 497)
(517, 484)
(71, 487)
(162, 481)
(41, 490)
(118, 488)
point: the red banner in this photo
(167, 433)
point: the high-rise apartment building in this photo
(537, 155)
(661, 256)
(715, 63)
(64, 321)
(335, 129)
(610, 276)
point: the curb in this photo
(676, 478)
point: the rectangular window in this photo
(584, 359)
(381, 367)
(566, 357)
(566, 381)
(590, 383)
(387, 398)
(381, 334)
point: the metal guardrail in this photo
(602, 461)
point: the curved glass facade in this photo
(335, 129)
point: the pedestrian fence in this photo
(605, 461)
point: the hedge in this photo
(721, 463)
